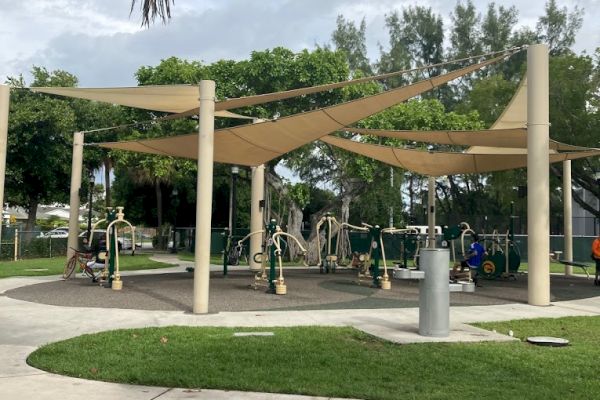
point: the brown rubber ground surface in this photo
(307, 289)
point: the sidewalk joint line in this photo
(160, 394)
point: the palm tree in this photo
(153, 8)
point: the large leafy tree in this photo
(39, 143)
(575, 118)
(558, 27)
(352, 41)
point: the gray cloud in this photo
(82, 40)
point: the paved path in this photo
(24, 326)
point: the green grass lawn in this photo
(560, 268)
(216, 259)
(340, 362)
(55, 266)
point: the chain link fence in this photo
(19, 244)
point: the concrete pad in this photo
(409, 333)
(52, 387)
(13, 361)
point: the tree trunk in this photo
(107, 169)
(294, 227)
(313, 249)
(343, 237)
(159, 203)
(411, 196)
(31, 215)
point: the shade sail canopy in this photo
(169, 98)
(515, 113)
(258, 143)
(184, 98)
(445, 163)
(511, 138)
(514, 116)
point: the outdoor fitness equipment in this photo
(330, 262)
(280, 287)
(411, 243)
(111, 269)
(272, 249)
(386, 284)
(112, 246)
(503, 258)
(361, 261)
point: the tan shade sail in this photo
(515, 113)
(439, 163)
(168, 98)
(255, 144)
(515, 138)
(184, 98)
(514, 116)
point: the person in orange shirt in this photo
(596, 257)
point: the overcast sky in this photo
(99, 42)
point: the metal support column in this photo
(538, 179)
(568, 216)
(256, 213)
(4, 107)
(204, 188)
(76, 170)
(431, 212)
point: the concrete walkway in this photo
(25, 326)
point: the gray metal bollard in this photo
(434, 293)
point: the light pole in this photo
(175, 204)
(91, 196)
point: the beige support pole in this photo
(204, 187)
(76, 170)
(568, 216)
(16, 244)
(538, 179)
(256, 213)
(4, 106)
(431, 212)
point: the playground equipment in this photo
(367, 263)
(111, 270)
(280, 287)
(114, 278)
(503, 256)
(272, 251)
(386, 284)
(330, 262)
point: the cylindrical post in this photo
(568, 216)
(76, 169)
(256, 213)
(431, 212)
(16, 244)
(4, 107)
(538, 179)
(391, 222)
(90, 201)
(204, 187)
(434, 293)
